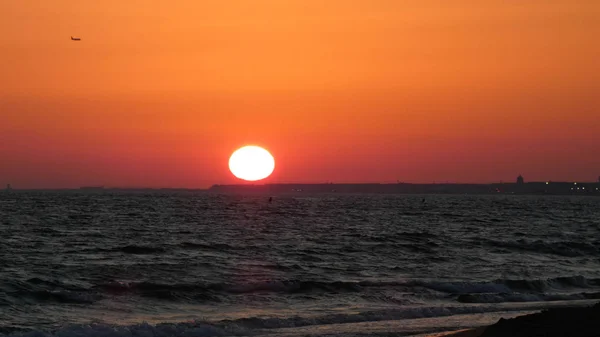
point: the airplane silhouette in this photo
(75, 38)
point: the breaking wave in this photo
(38, 290)
(255, 325)
(508, 286)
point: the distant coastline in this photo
(530, 188)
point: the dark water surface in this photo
(239, 265)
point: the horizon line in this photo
(255, 184)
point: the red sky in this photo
(160, 93)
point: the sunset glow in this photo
(157, 93)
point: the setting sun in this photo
(251, 163)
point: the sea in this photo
(185, 263)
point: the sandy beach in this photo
(557, 322)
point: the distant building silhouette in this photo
(520, 180)
(8, 187)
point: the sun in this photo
(251, 163)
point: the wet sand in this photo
(558, 322)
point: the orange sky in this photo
(159, 93)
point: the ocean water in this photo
(200, 264)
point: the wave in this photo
(151, 289)
(58, 296)
(213, 246)
(520, 297)
(392, 236)
(147, 249)
(560, 248)
(129, 249)
(503, 290)
(144, 329)
(257, 325)
(510, 286)
(212, 291)
(133, 249)
(36, 290)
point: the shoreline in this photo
(475, 332)
(555, 322)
